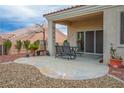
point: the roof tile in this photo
(76, 6)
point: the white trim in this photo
(99, 54)
(94, 53)
(77, 12)
(120, 46)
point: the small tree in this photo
(26, 45)
(18, 45)
(7, 44)
(34, 46)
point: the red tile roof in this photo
(72, 7)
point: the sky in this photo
(16, 17)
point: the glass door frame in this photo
(84, 33)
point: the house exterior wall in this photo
(110, 24)
(86, 25)
(112, 31)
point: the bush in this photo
(33, 47)
(26, 45)
(7, 44)
(66, 43)
(18, 45)
(37, 43)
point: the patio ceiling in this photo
(70, 20)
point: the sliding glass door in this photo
(90, 41)
(99, 41)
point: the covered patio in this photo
(85, 32)
(88, 24)
(86, 67)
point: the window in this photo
(122, 28)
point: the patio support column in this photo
(109, 33)
(51, 38)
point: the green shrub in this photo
(37, 43)
(66, 43)
(7, 44)
(18, 45)
(33, 47)
(26, 45)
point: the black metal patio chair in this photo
(59, 51)
(65, 52)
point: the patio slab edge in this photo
(115, 78)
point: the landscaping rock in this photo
(15, 75)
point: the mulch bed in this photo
(8, 58)
(13, 75)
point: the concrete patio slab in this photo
(79, 69)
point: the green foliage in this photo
(114, 54)
(33, 47)
(7, 44)
(18, 45)
(37, 43)
(66, 43)
(26, 45)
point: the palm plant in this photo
(7, 44)
(18, 45)
(26, 45)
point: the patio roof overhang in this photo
(77, 13)
(69, 21)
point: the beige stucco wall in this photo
(112, 31)
(110, 23)
(91, 24)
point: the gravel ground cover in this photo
(13, 75)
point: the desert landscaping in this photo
(27, 76)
